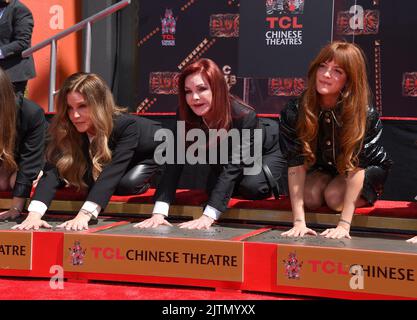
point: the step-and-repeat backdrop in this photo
(264, 47)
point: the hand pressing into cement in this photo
(204, 222)
(156, 220)
(299, 230)
(412, 240)
(33, 221)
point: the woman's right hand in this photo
(33, 221)
(156, 220)
(299, 230)
(412, 240)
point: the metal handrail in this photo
(52, 41)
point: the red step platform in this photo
(227, 256)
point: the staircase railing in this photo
(52, 41)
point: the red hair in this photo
(354, 99)
(220, 110)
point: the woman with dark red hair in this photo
(205, 104)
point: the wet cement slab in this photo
(359, 241)
(217, 232)
(55, 221)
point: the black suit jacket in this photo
(31, 128)
(131, 142)
(16, 27)
(243, 117)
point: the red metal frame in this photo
(260, 268)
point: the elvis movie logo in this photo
(284, 22)
(410, 84)
(287, 87)
(293, 266)
(224, 25)
(163, 82)
(77, 254)
(357, 21)
(168, 27)
(284, 6)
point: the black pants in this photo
(137, 180)
(272, 180)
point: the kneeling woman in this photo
(22, 140)
(96, 146)
(205, 104)
(331, 139)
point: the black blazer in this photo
(243, 117)
(31, 128)
(16, 27)
(130, 142)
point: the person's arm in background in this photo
(22, 32)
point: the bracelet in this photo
(16, 209)
(88, 213)
(342, 220)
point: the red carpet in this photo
(35, 289)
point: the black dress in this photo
(372, 157)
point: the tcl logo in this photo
(107, 253)
(328, 267)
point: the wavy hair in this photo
(7, 122)
(65, 147)
(354, 100)
(220, 106)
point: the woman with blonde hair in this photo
(22, 139)
(331, 139)
(95, 147)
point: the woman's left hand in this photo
(336, 233)
(204, 222)
(12, 214)
(80, 222)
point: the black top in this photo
(243, 117)
(328, 147)
(16, 27)
(130, 142)
(29, 145)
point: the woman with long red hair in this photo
(331, 139)
(205, 104)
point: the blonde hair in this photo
(65, 147)
(7, 123)
(354, 99)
